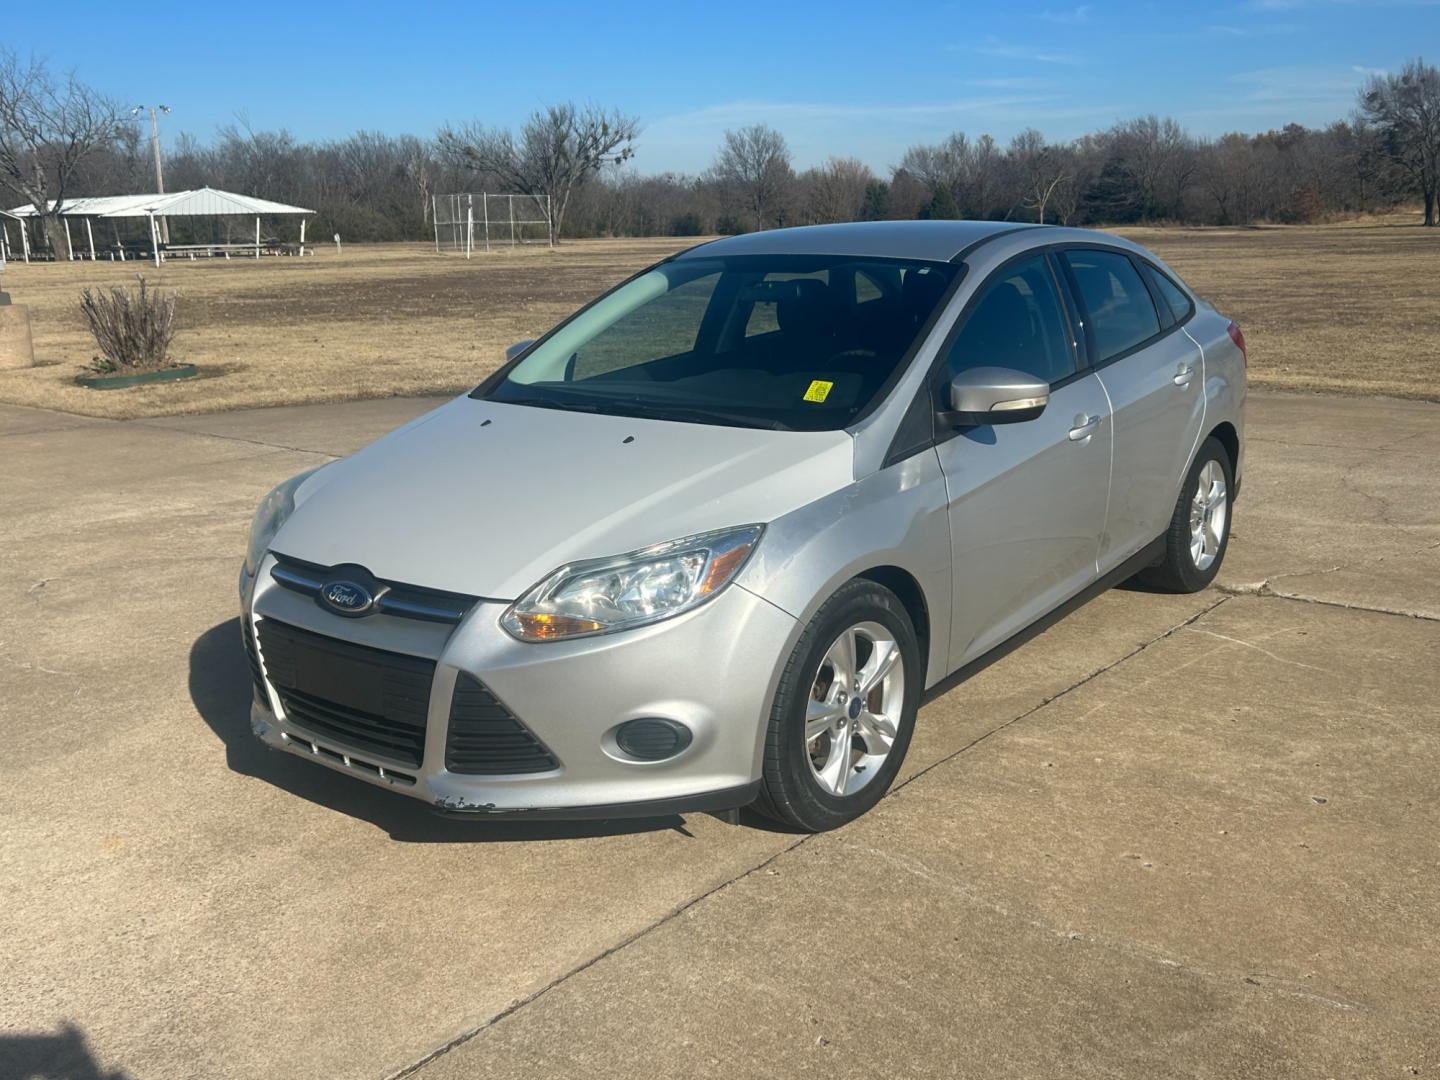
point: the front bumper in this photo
(713, 670)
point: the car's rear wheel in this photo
(844, 712)
(1199, 532)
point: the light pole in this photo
(155, 149)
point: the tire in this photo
(835, 776)
(1185, 567)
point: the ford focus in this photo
(713, 540)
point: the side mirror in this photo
(995, 395)
(516, 349)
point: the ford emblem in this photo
(346, 598)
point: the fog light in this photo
(652, 739)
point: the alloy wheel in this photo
(854, 708)
(1209, 513)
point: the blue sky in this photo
(863, 79)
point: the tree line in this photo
(61, 139)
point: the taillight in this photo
(1239, 339)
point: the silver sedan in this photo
(712, 540)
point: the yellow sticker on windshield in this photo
(819, 390)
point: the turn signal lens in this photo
(643, 587)
(543, 626)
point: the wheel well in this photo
(1230, 439)
(903, 584)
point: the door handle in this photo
(1084, 427)
(1184, 374)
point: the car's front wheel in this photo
(844, 711)
(1199, 533)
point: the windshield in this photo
(780, 341)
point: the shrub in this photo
(133, 327)
(941, 207)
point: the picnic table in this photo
(268, 246)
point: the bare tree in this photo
(754, 165)
(1043, 169)
(836, 190)
(1406, 110)
(947, 164)
(47, 129)
(557, 149)
(418, 170)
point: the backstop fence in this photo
(476, 220)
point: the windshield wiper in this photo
(551, 403)
(699, 415)
(648, 411)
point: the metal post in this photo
(154, 239)
(469, 225)
(485, 210)
(435, 219)
(302, 238)
(90, 235)
(25, 240)
(257, 236)
(69, 247)
(512, 220)
(4, 242)
(159, 175)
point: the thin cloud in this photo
(878, 134)
(1289, 84)
(1074, 17)
(1019, 83)
(1002, 51)
(1268, 30)
(1293, 5)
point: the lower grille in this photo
(352, 695)
(486, 739)
(256, 678)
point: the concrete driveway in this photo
(1173, 836)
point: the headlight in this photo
(274, 509)
(606, 595)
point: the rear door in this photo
(1026, 500)
(1153, 374)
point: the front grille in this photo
(405, 601)
(358, 697)
(486, 739)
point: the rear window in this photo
(1173, 296)
(1119, 311)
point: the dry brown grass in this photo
(1350, 308)
(375, 321)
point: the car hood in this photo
(483, 498)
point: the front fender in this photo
(897, 517)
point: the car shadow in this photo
(63, 1055)
(220, 689)
(1134, 584)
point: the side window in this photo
(1172, 294)
(1118, 307)
(1016, 324)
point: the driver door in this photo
(1027, 501)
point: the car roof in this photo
(929, 241)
